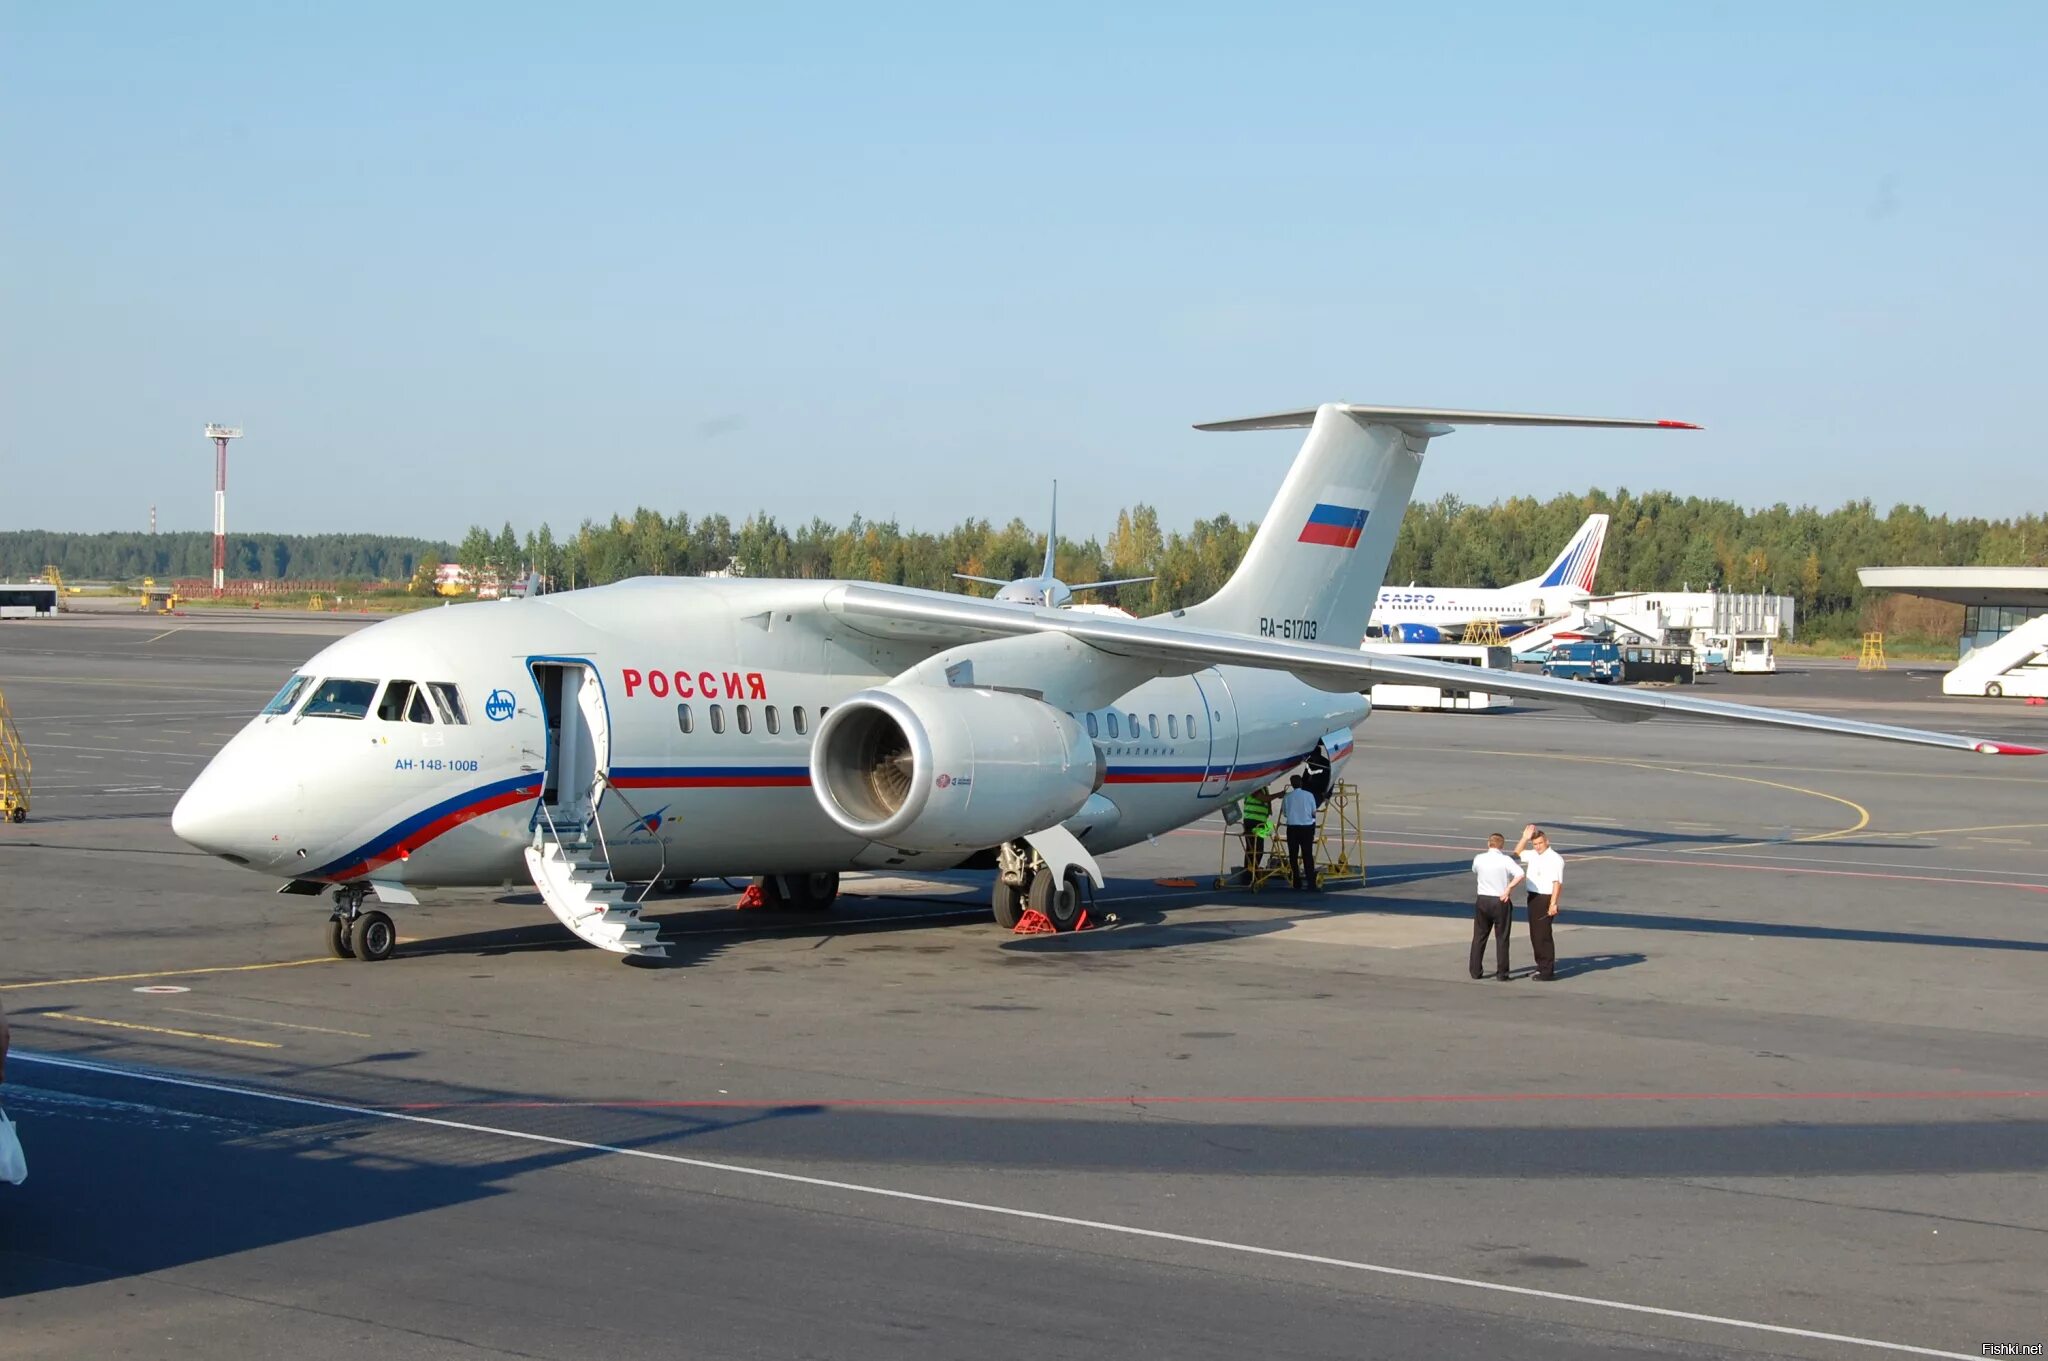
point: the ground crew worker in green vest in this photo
(1258, 828)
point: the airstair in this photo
(570, 859)
(2016, 664)
(571, 866)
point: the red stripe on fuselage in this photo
(441, 826)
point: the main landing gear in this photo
(353, 933)
(798, 892)
(1024, 881)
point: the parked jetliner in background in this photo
(1045, 588)
(1439, 614)
(665, 728)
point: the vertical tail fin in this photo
(1052, 531)
(1315, 565)
(1314, 568)
(1576, 566)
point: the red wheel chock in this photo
(1036, 923)
(751, 899)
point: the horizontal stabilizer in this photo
(1428, 420)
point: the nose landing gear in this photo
(353, 933)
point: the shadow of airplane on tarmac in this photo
(1173, 930)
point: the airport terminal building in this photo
(1995, 600)
(2003, 650)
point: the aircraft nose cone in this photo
(239, 809)
(205, 817)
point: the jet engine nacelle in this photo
(1418, 633)
(929, 769)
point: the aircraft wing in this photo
(900, 612)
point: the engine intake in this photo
(929, 769)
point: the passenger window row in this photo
(1119, 727)
(743, 718)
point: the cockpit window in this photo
(340, 699)
(391, 708)
(448, 700)
(287, 697)
(405, 702)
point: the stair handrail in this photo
(604, 778)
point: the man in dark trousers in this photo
(1545, 871)
(1298, 811)
(1493, 907)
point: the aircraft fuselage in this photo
(749, 668)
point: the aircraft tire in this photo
(373, 937)
(1059, 900)
(799, 892)
(337, 939)
(1008, 903)
(1991, 691)
(816, 892)
(675, 885)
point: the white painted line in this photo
(109, 751)
(977, 1207)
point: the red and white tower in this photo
(220, 435)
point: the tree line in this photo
(130, 556)
(1657, 541)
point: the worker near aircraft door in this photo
(1258, 828)
(1298, 811)
(1316, 777)
(1545, 872)
(1493, 907)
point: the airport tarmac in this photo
(1788, 1097)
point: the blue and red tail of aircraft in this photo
(1580, 561)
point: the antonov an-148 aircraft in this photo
(1439, 614)
(662, 729)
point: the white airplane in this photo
(665, 728)
(1427, 614)
(1045, 588)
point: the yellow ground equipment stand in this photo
(1340, 847)
(1872, 657)
(1484, 632)
(14, 769)
(56, 578)
(160, 599)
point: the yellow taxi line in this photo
(166, 973)
(156, 1029)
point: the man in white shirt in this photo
(1544, 869)
(1298, 811)
(1494, 908)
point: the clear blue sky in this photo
(455, 263)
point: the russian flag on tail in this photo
(1335, 525)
